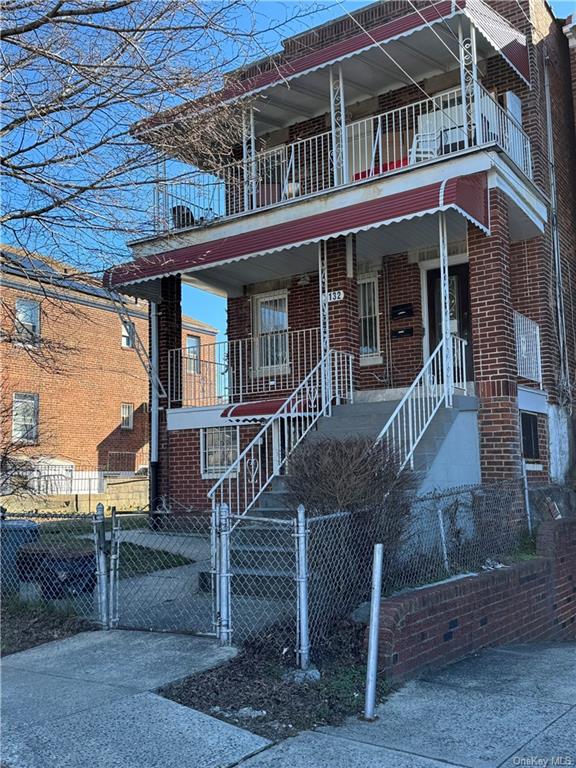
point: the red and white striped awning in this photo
(467, 195)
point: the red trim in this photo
(348, 46)
(467, 193)
(256, 408)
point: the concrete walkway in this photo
(514, 706)
(88, 701)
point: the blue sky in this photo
(212, 309)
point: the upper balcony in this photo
(423, 132)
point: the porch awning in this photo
(467, 195)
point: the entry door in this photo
(459, 308)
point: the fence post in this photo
(101, 580)
(443, 541)
(372, 668)
(526, 496)
(303, 638)
(113, 605)
(215, 566)
(225, 618)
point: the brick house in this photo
(395, 235)
(74, 392)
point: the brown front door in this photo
(459, 308)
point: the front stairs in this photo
(262, 550)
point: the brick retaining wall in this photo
(530, 601)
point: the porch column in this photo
(494, 345)
(447, 357)
(249, 158)
(338, 122)
(169, 333)
(471, 113)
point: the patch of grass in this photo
(136, 560)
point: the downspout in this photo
(564, 384)
(154, 406)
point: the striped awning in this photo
(467, 195)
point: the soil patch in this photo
(250, 690)
(26, 626)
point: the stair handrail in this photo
(413, 414)
(245, 480)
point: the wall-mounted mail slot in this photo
(402, 310)
(399, 333)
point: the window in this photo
(25, 417)
(127, 416)
(368, 315)
(271, 326)
(192, 354)
(530, 447)
(219, 449)
(27, 321)
(128, 334)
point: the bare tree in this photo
(77, 74)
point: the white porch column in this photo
(253, 169)
(471, 107)
(447, 356)
(249, 159)
(324, 319)
(338, 122)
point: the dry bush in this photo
(349, 475)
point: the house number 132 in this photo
(332, 296)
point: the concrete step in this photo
(269, 583)
(265, 558)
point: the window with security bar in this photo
(127, 416)
(192, 354)
(25, 417)
(368, 314)
(27, 322)
(219, 450)
(271, 325)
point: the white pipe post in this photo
(335, 139)
(215, 565)
(343, 134)
(302, 579)
(462, 58)
(372, 668)
(100, 542)
(245, 164)
(253, 169)
(445, 296)
(225, 621)
(443, 541)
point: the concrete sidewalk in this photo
(88, 701)
(514, 706)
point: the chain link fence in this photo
(242, 578)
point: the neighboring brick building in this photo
(386, 234)
(73, 388)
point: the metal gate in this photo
(157, 572)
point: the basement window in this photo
(529, 426)
(220, 447)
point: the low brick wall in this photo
(533, 600)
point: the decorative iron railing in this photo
(424, 131)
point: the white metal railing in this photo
(329, 381)
(528, 356)
(236, 370)
(413, 414)
(420, 132)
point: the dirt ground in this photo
(250, 691)
(25, 627)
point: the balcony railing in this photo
(528, 357)
(265, 366)
(421, 132)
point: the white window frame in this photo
(193, 361)
(26, 396)
(258, 368)
(30, 330)
(211, 473)
(128, 334)
(376, 357)
(126, 415)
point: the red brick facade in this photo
(528, 602)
